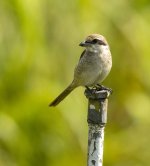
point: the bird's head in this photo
(94, 43)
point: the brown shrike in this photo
(93, 67)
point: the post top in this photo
(97, 94)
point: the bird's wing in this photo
(82, 54)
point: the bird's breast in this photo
(88, 69)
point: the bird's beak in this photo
(84, 44)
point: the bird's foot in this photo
(98, 87)
(91, 90)
(101, 87)
(88, 89)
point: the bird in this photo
(93, 66)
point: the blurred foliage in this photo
(38, 51)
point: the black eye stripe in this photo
(94, 41)
(100, 42)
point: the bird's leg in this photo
(90, 90)
(101, 87)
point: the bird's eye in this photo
(94, 41)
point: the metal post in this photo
(97, 118)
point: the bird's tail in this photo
(64, 94)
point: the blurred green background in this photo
(38, 51)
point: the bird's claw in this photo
(98, 87)
(101, 87)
